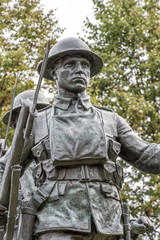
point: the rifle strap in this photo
(28, 213)
(41, 195)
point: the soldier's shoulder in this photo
(40, 126)
(103, 108)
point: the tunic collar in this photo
(65, 103)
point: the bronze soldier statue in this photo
(75, 146)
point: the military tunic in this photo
(78, 166)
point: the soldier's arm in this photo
(26, 158)
(29, 143)
(135, 151)
(3, 161)
(2, 166)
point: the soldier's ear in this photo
(54, 76)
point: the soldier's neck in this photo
(73, 95)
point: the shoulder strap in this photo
(41, 125)
(104, 108)
(108, 118)
(45, 108)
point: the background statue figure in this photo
(41, 103)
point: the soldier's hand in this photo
(141, 225)
(1, 145)
(3, 210)
(3, 214)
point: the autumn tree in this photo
(126, 35)
(24, 32)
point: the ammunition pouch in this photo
(110, 172)
(45, 170)
(113, 173)
(110, 191)
(41, 150)
(113, 149)
(38, 175)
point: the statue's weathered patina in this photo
(74, 146)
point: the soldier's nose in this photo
(79, 68)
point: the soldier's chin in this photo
(78, 88)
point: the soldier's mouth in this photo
(78, 80)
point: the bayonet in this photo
(32, 113)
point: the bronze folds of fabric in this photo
(72, 204)
(77, 139)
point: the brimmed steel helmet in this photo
(42, 102)
(72, 46)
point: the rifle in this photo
(3, 148)
(14, 155)
(16, 171)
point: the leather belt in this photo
(82, 173)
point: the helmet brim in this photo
(96, 61)
(16, 109)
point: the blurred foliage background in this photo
(24, 32)
(126, 35)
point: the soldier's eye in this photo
(69, 64)
(85, 64)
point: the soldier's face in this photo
(73, 74)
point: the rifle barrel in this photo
(32, 113)
(41, 75)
